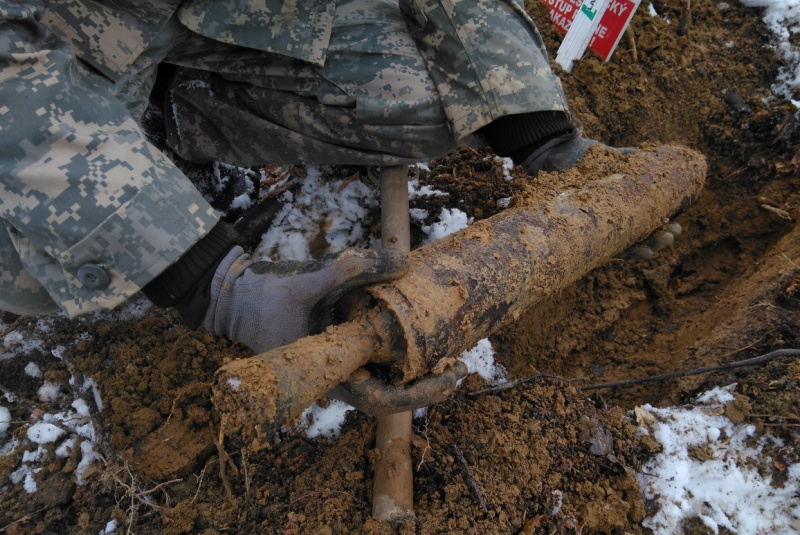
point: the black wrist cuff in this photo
(192, 270)
(516, 136)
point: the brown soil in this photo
(547, 457)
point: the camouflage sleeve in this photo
(94, 211)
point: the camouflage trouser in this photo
(85, 196)
(400, 84)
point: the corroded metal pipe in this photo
(393, 484)
(463, 288)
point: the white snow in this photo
(732, 489)
(89, 455)
(480, 360)
(111, 527)
(67, 446)
(332, 209)
(30, 484)
(48, 392)
(782, 18)
(33, 370)
(5, 420)
(14, 343)
(508, 165)
(326, 422)
(450, 220)
(415, 190)
(235, 383)
(43, 433)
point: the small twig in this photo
(466, 473)
(12, 327)
(246, 470)
(632, 43)
(199, 484)
(774, 417)
(514, 384)
(423, 431)
(697, 371)
(685, 20)
(749, 346)
(134, 491)
(28, 405)
(20, 520)
(783, 214)
(223, 458)
(790, 260)
(360, 503)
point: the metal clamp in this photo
(372, 396)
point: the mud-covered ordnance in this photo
(464, 287)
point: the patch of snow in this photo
(508, 165)
(234, 383)
(66, 447)
(415, 190)
(30, 483)
(480, 360)
(58, 352)
(418, 214)
(111, 527)
(33, 370)
(9, 447)
(337, 210)
(16, 343)
(326, 422)
(450, 221)
(48, 392)
(44, 433)
(782, 18)
(88, 456)
(5, 420)
(727, 490)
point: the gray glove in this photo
(269, 304)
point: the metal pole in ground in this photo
(393, 488)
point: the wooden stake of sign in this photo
(580, 32)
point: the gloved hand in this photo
(269, 304)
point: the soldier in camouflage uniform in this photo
(93, 213)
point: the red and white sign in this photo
(613, 21)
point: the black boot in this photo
(563, 152)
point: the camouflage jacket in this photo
(296, 28)
(91, 211)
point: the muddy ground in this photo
(729, 289)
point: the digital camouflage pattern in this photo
(354, 81)
(80, 184)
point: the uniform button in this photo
(93, 277)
